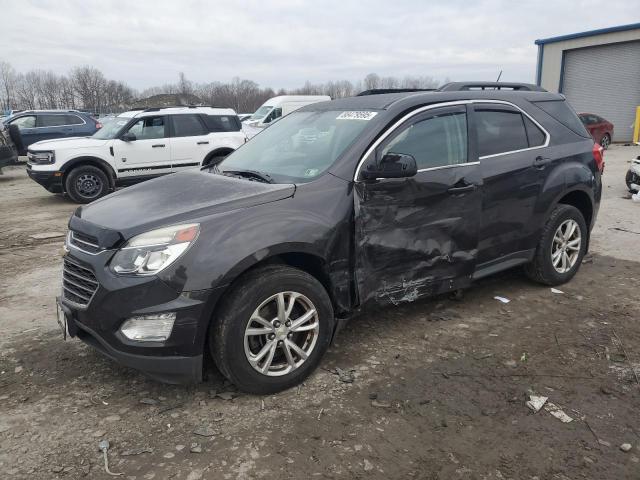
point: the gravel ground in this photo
(430, 390)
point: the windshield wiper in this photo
(251, 175)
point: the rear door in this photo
(514, 165)
(189, 140)
(419, 236)
(52, 125)
(149, 154)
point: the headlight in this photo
(41, 158)
(151, 252)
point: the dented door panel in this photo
(413, 237)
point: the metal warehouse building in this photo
(598, 71)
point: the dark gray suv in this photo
(339, 207)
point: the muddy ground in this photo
(431, 390)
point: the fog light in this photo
(149, 328)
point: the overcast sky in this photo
(284, 43)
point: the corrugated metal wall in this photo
(605, 80)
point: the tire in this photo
(605, 141)
(86, 183)
(542, 269)
(231, 344)
(16, 138)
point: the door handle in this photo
(158, 145)
(203, 143)
(541, 162)
(463, 189)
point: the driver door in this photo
(418, 236)
(149, 153)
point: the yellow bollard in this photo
(636, 129)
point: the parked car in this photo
(8, 150)
(633, 176)
(37, 125)
(600, 129)
(339, 207)
(277, 107)
(136, 146)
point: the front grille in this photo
(78, 282)
(84, 242)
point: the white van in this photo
(277, 107)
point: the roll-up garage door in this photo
(605, 80)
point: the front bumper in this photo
(52, 181)
(179, 359)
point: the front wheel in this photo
(605, 141)
(561, 248)
(272, 329)
(86, 183)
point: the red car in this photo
(600, 129)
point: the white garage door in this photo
(605, 80)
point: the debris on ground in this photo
(625, 447)
(195, 448)
(227, 395)
(148, 401)
(377, 404)
(502, 299)
(46, 235)
(205, 431)
(345, 376)
(103, 446)
(555, 290)
(536, 402)
(557, 412)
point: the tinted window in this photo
(73, 120)
(500, 131)
(437, 141)
(562, 112)
(148, 128)
(222, 123)
(45, 120)
(25, 122)
(534, 134)
(187, 126)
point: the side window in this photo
(277, 113)
(434, 142)
(536, 136)
(222, 123)
(148, 128)
(187, 126)
(46, 120)
(499, 131)
(28, 121)
(73, 120)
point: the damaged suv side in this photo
(340, 206)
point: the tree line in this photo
(86, 87)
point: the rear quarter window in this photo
(563, 113)
(223, 123)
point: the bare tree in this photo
(7, 85)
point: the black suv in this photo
(338, 207)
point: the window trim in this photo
(417, 111)
(134, 120)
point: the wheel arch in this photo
(89, 160)
(217, 152)
(581, 200)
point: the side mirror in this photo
(393, 165)
(128, 137)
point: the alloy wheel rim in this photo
(565, 247)
(281, 334)
(88, 185)
(604, 142)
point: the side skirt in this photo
(503, 263)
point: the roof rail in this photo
(155, 109)
(513, 86)
(381, 91)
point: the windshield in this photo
(111, 128)
(261, 112)
(299, 147)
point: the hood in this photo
(71, 142)
(179, 197)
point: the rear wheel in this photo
(272, 329)
(562, 246)
(605, 141)
(86, 183)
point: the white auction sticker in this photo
(356, 115)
